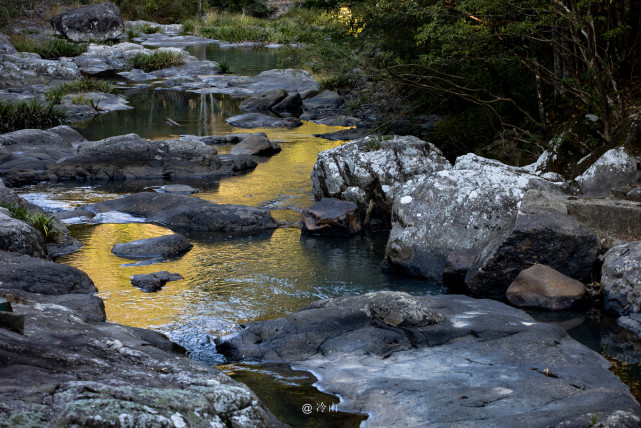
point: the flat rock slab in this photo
(68, 372)
(162, 246)
(259, 120)
(189, 212)
(42, 276)
(152, 282)
(442, 361)
(545, 288)
(331, 216)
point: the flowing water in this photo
(230, 279)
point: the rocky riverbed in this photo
(476, 225)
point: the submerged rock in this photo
(162, 246)
(36, 275)
(331, 217)
(538, 236)
(471, 206)
(189, 212)
(545, 288)
(370, 172)
(97, 22)
(152, 282)
(441, 361)
(621, 279)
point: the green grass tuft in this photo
(44, 223)
(157, 60)
(56, 93)
(29, 114)
(223, 66)
(49, 49)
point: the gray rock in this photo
(99, 22)
(326, 100)
(221, 139)
(106, 60)
(162, 246)
(87, 307)
(131, 157)
(68, 134)
(152, 282)
(331, 216)
(615, 169)
(309, 93)
(181, 189)
(6, 48)
(330, 118)
(440, 361)
(42, 276)
(292, 103)
(188, 212)
(258, 120)
(621, 279)
(545, 288)
(345, 134)
(538, 236)
(289, 80)
(16, 70)
(68, 372)
(471, 206)
(63, 246)
(634, 194)
(20, 237)
(97, 103)
(263, 101)
(632, 322)
(371, 172)
(256, 144)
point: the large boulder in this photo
(471, 206)
(291, 104)
(617, 168)
(256, 144)
(621, 279)
(259, 120)
(331, 216)
(370, 172)
(538, 236)
(264, 100)
(35, 275)
(542, 287)
(441, 361)
(162, 246)
(326, 100)
(189, 212)
(19, 237)
(70, 372)
(97, 22)
(130, 157)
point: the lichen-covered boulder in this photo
(617, 168)
(471, 206)
(16, 70)
(537, 236)
(621, 279)
(97, 22)
(545, 288)
(370, 172)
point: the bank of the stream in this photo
(231, 279)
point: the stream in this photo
(231, 279)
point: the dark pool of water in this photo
(243, 61)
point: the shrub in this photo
(223, 66)
(29, 114)
(156, 60)
(44, 223)
(132, 33)
(150, 29)
(56, 93)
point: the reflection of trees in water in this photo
(201, 114)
